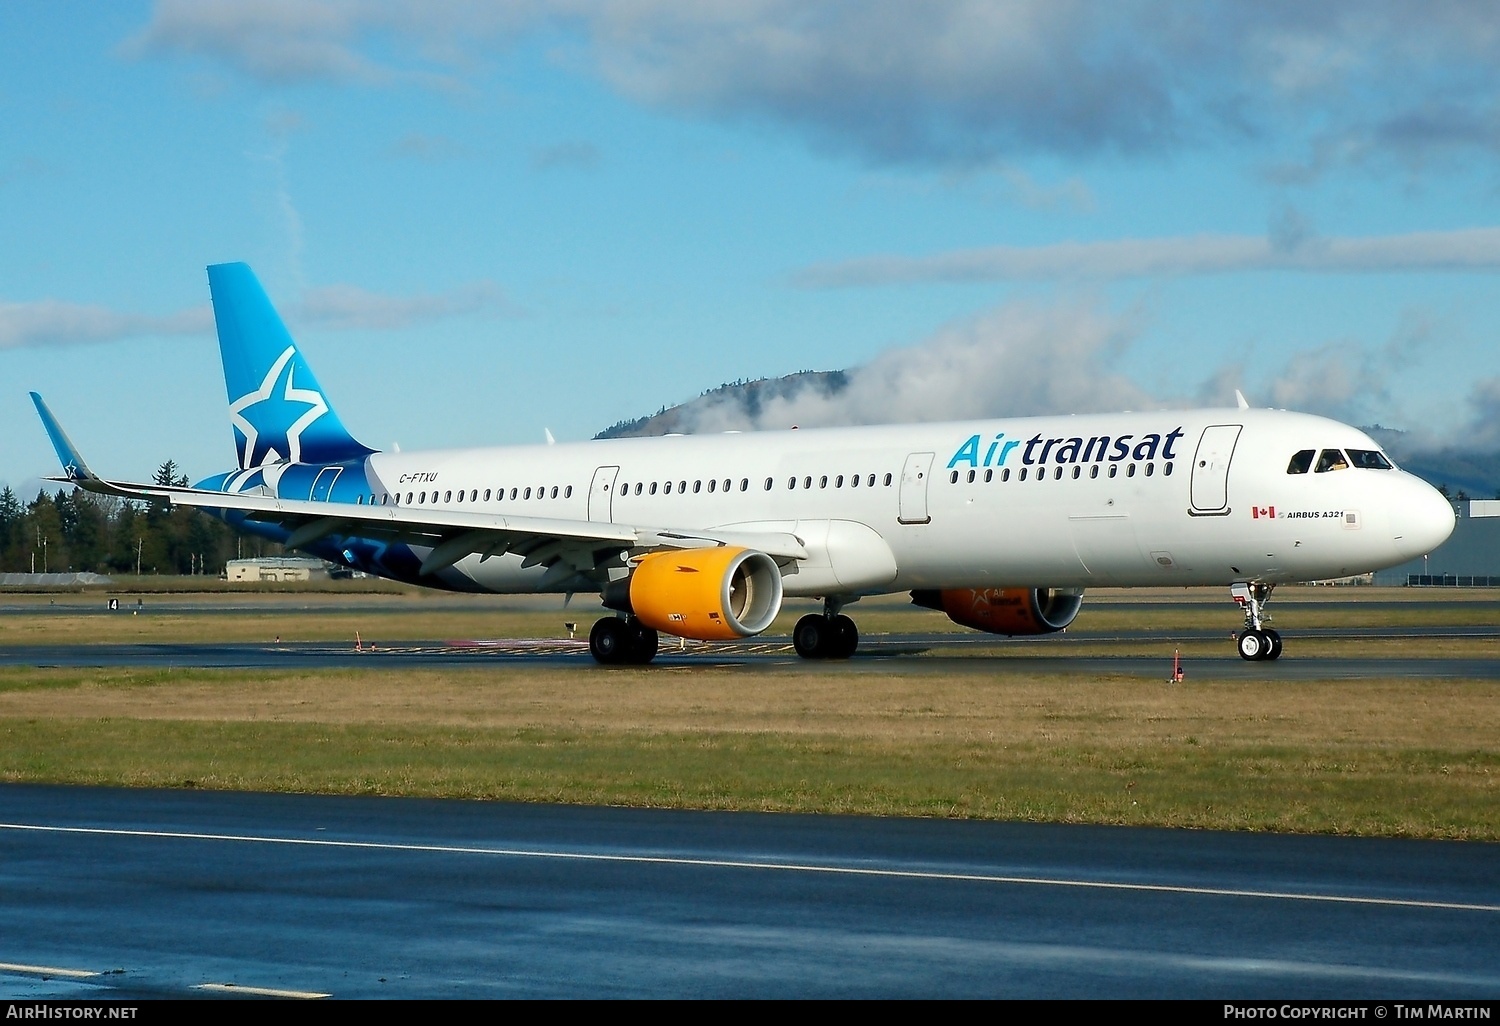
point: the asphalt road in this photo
(166, 893)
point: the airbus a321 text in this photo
(1001, 524)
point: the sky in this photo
(485, 220)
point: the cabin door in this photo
(323, 485)
(1211, 469)
(913, 499)
(602, 495)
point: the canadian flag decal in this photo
(1256, 512)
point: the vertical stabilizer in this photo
(278, 409)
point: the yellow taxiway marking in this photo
(235, 988)
(770, 866)
(47, 970)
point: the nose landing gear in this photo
(1256, 641)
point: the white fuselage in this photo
(1175, 497)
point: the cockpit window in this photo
(1302, 462)
(1369, 459)
(1331, 459)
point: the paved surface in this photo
(941, 653)
(160, 893)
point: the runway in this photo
(895, 653)
(126, 894)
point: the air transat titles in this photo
(1038, 450)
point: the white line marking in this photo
(47, 970)
(785, 867)
(235, 988)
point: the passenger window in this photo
(953, 477)
(768, 484)
(1331, 459)
(512, 493)
(554, 490)
(1114, 468)
(989, 475)
(653, 487)
(807, 482)
(823, 481)
(1301, 462)
(1077, 471)
(1005, 475)
(711, 484)
(1022, 475)
(1094, 471)
(681, 487)
(637, 488)
(568, 492)
(854, 481)
(744, 484)
(887, 480)
(528, 492)
(1369, 459)
(697, 487)
(728, 484)
(838, 482)
(871, 482)
(1057, 474)
(486, 495)
(1130, 470)
(1166, 470)
(1150, 469)
(791, 483)
(447, 496)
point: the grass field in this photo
(1401, 757)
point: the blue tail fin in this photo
(276, 405)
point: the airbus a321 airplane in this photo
(1001, 524)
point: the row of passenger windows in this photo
(792, 483)
(472, 495)
(1334, 459)
(1076, 472)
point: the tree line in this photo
(77, 531)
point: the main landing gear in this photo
(1256, 641)
(617, 641)
(826, 635)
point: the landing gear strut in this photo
(826, 635)
(1256, 641)
(622, 642)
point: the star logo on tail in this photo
(273, 417)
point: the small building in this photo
(277, 568)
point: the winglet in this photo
(73, 465)
(1239, 400)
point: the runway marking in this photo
(235, 988)
(47, 970)
(786, 867)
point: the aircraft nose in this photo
(1423, 519)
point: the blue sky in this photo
(486, 219)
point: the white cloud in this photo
(949, 82)
(349, 306)
(1014, 361)
(1474, 249)
(51, 322)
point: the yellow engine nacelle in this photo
(714, 594)
(1010, 611)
